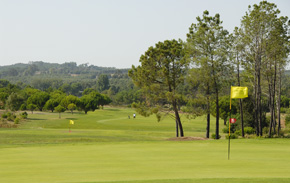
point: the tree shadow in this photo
(35, 119)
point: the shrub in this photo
(226, 130)
(238, 132)
(24, 115)
(287, 119)
(4, 115)
(249, 130)
(16, 121)
(265, 130)
(283, 110)
(213, 136)
(234, 127)
(281, 133)
(22, 107)
(233, 136)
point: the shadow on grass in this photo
(109, 109)
(35, 119)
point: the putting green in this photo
(190, 161)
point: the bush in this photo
(238, 132)
(249, 130)
(283, 110)
(22, 107)
(16, 121)
(4, 115)
(287, 119)
(234, 127)
(24, 115)
(233, 136)
(265, 130)
(226, 130)
(213, 136)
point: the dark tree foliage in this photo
(159, 76)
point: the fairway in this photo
(106, 146)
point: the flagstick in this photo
(229, 147)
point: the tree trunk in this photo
(259, 97)
(274, 94)
(256, 101)
(177, 134)
(177, 118)
(217, 115)
(207, 125)
(241, 104)
(271, 112)
(278, 102)
(208, 114)
(242, 118)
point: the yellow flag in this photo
(71, 122)
(239, 92)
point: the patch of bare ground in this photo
(283, 122)
(187, 138)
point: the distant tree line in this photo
(73, 79)
(14, 98)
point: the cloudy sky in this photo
(109, 33)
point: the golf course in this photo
(107, 146)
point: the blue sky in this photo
(108, 33)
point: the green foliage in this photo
(265, 130)
(59, 109)
(24, 115)
(16, 121)
(14, 101)
(128, 97)
(39, 99)
(51, 104)
(10, 116)
(284, 110)
(285, 101)
(213, 136)
(22, 107)
(70, 99)
(238, 132)
(233, 136)
(31, 107)
(90, 102)
(160, 74)
(249, 130)
(4, 115)
(71, 107)
(287, 119)
(234, 127)
(103, 82)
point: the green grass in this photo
(106, 146)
